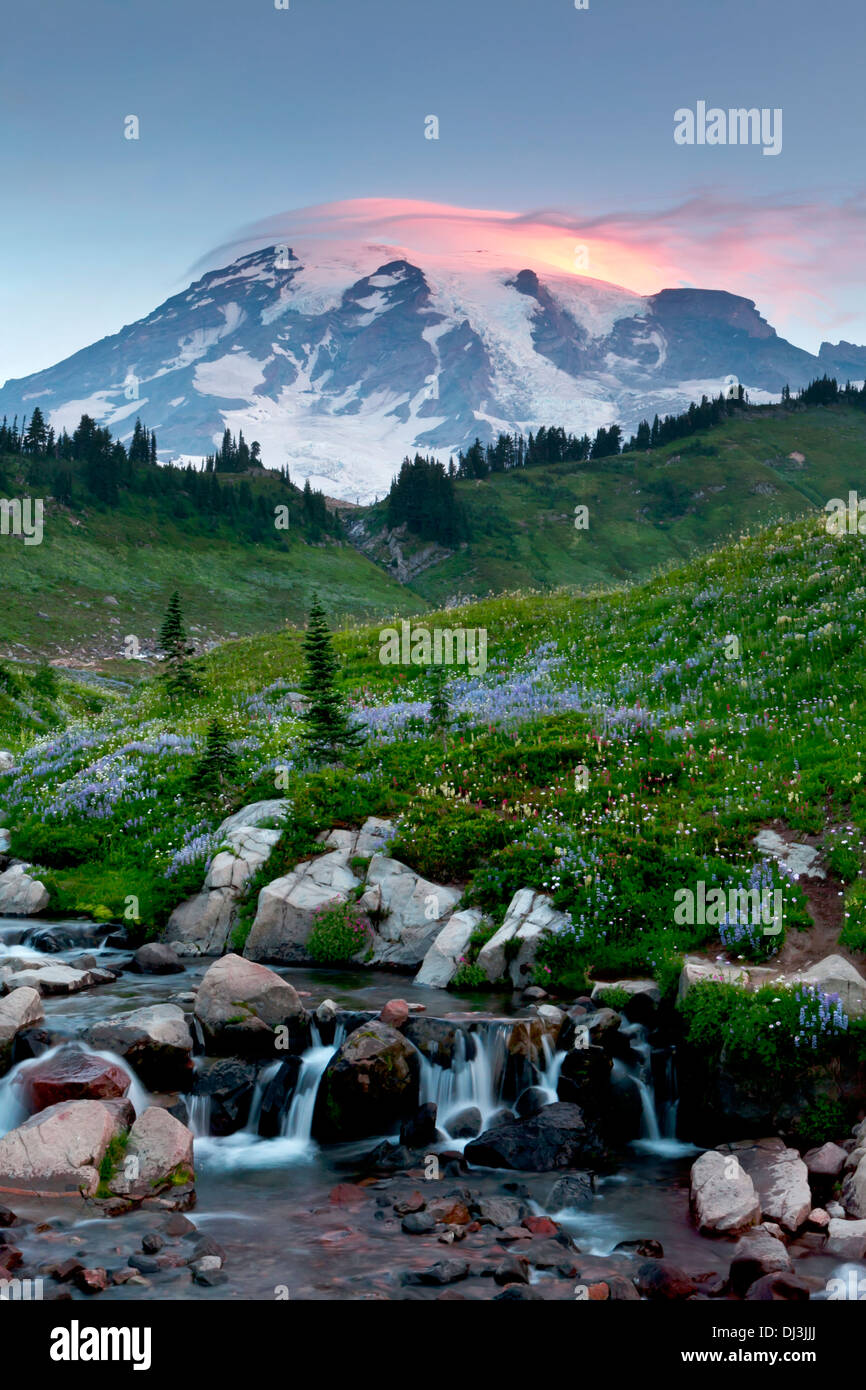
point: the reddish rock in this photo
(73, 1075)
(91, 1280)
(123, 1276)
(414, 1202)
(395, 1013)
(346, 1194)
(451, 1213)
(598, 1293)
(540, 1226)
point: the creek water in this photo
(269, 1201)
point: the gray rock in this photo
(723, 1196)
(20, 894)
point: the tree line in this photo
(91, 467)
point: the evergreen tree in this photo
(179, 677)
(217, 767)
(440, 713)
(327, 731)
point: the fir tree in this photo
(217, 766)
(327, 731)
(176, 650)
(440, 713)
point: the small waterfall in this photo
(198, 1107)
(658, 1117)
(298, 1121)
(553, 1060)
(642, 1076)
(475, 1076)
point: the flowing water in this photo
(269, 1201)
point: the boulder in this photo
(557, 1137)
(200, 926)
(466, 1124)
(156, 1042)
(370, 1086)
(159, 1155)
(229, 1083)
(239, 1004)
(781, 1180)
(846, 1239)
(443, 958)
(825, 1163)
(395, 1013)
(854, 1190)
(757, 1253)
(779, 1288)
(20, 894)
(18, 1010)
(7, 760)
(573, 1190)
(286, 908)
(530, 915)
(836, 975)
(55, 979)
(413, 909)
(798, 860)
(661, 1280)
(59, 1151)
(644, 997)
(156, 958)
(371, 839)
(696, 971)
(723, 1196)
(71, 1074)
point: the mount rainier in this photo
(342, 358)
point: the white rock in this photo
(20, 1009)
(846, 1239)
(529, 918)
(442, 960)
(836, 975)
(781, 1180)
(55, 979)
(798, 860)
(723, 1196)
(201, 925)
(20, 894)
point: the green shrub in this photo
(822, 1121)
(448, 841)
(56, 846)
(469, 976)
(615, 999)
(339, 933)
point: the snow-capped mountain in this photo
(341, 358)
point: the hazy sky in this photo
(246, 110)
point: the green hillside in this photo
(645, 509)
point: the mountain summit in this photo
(340, 358)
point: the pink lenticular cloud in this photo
(800, 261)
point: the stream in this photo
(268, 1201)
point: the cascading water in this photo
(658, 1135)
(247, 1149)
(298, 1121)
(553, 1060)
(474, 1078)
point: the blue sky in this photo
(247, 110)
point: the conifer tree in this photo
(217, 766)
(440, 713)
(176, 650)
(327, 731)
